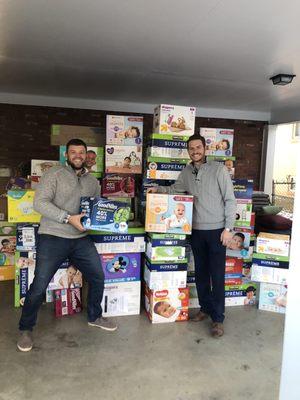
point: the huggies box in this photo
(124, 130)
(174, 120)
(121, 267)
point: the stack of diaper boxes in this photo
(7, 250)
(270, 265)
(120, 255)
(168, 221)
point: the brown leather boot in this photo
(217, 329)
(200, 316)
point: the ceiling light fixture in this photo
(282, 79)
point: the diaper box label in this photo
(123, 159)
(168, 152)
(124, 130)
(171, 119)
(169, 213)
(161, 170)
(27, 236)
(20, 206)
(24, 273)
(121, 298)
(165, 253)
(166, 239)
(105, 215)
(121, 267)
(166, 266)
(219, 141)
(243, 188)
(165, 280)
(119, 243)
(238, 295)
(119, 186)
(167, 305)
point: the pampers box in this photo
(169, 213)
(123, 159)
(272, 297)
(104, 215)
(219, 142)
(20, 206)
(121, 267)
(167, 305)
(176, 120)
(121, 298)
(124, 130)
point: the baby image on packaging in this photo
(66, 278)
(124, 130)
(7, 250)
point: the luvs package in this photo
(104, 215)
(169, 213)
(124, 130)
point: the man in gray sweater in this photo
(61, 237)
(213, 220)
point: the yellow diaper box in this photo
(20, 206)
(7, 273)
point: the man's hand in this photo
(74, 220)
(226, 237)
(152, 190)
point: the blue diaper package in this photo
(104, 215)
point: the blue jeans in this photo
(210, 256)
(51, 252)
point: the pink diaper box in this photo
(67, 302)
(118, 186)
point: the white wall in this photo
(270, 159)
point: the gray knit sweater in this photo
(214, 201)
(57, 195)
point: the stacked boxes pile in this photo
(270, 267)
(168, 221)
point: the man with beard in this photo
(62, 236)
(213, 219)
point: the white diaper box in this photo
(271, 243)
(176, 120)
(121, 298)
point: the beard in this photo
(75, 167)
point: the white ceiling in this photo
(204, 53)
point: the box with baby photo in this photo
(167, 305)
(24, 273)
(174, 120)
(20, 206)
(104, 215)
(121, 267)
(118, 186)
(66, 278)
(239, 245)
(94, 162)
(169, 213)
(123, 159)
(124, 130)
(241, 295)
(39, 167)
(219, 141)
(7, 250)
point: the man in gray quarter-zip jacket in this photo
(61, 237)
(213, 219)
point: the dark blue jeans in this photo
(210, 255)
(51, 252)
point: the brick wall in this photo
(25, 134)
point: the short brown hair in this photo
(196, 137)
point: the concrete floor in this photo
(141, 361)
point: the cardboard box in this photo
(239, 245)
(240, 295)
(7, 273)
(131, 242)
(219, 141)
(39, 167)
(121, 298)
(233, 271)
(91, 135)
(94, 159)
(27, 236)
(168, 153)
(156, 280)
(167, 305)
(165, 253)
(243, 213)
(121, 267)
(274, 244)
(67, 302)
(118, 186)
(123, 159)
(24, 274)
(159, 168)
(174, 120)
(7, 250)
(166, 266)
(105, 215)
(20, 206)
(168, 146)
(66, 278)
(243, 188)
(124, 130)
(169, 213)
(272, 297)
(268, 270)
